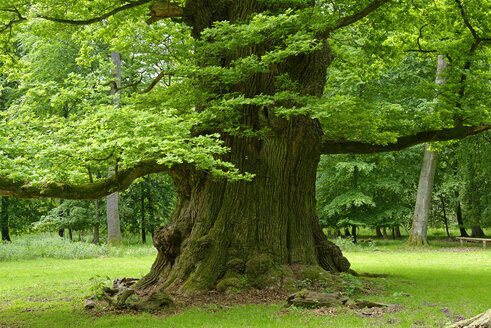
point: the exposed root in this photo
(311, 299)
(125, 294)
(482, 320)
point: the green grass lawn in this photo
(432, 286)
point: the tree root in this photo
(121, 292)
(482, 320)
(311, 299)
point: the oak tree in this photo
(236, 100)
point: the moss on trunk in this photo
(224, 233)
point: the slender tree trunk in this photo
(353, 233)
(150, 210)
(70, 234)
(445, 219)
(142, 203)
(460, 222)
(418, 235)
(384, 232)
(346, 232)
(397, 231)
(95, 238)
(113, 225)
(378, 232)
(393, 232)
(4, 217)
(477, 232)
(112, 201)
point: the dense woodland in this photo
(239, 134)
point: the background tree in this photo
(418, 235)
(385, 186)
(151, 201)
(474, 170)
(4, 219)
(112, 200)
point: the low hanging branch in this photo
(357, 147)
(348, 20)
(96, 190)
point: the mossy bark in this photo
(264, 224)
(224, 231)
(221, 227)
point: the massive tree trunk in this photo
(4, 219)
(265, 230)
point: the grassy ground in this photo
(432, 286)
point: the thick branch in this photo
(466, 20)
(348, 20)
(161, 9)
(96, 190)
(420, 49)
(99, 18)
(356, 147)
(10, 24)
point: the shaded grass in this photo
(50, 292)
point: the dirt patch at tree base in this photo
(210, 301)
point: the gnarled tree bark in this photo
(266, 230)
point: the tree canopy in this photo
(58, 127)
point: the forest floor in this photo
(431, 288)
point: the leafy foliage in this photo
(374, 191)
(60, 123)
